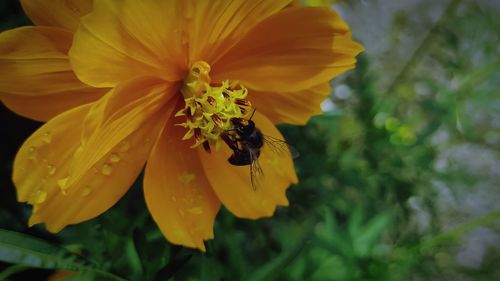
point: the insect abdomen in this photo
(241, 157)
(255, 139)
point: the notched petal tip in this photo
(234, 184)
(177, 193)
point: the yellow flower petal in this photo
(219, 25)
(233, 184)
(290, 107)
(41, 172)
(121, 40)
(43, 108)
(58, 13)
(117, 115)
(82, 161)
(292, 50)
(34, 67)
(177, 192)
(69, 175)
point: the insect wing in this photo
(280, 147)
(256, 172)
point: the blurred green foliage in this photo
(364, 165)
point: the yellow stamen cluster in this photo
(209, 109)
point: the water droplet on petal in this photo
(186, 178)
(189, 10)
(46, 137)
(78, 151)
(124, 146)
(106, 169)
(173, 198)
(52, 169)
(62, 183)
(195, 210)
(32, 154)
(40, 196)
(86, 191)
(115, 158)
(181, 212)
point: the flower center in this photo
(209, 108)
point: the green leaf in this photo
(11, 270)
(367, 239)
(355, 221)
(210, 269)
(331, 237)
(25, 250)
(179, 258)
(140, 242)
(22, 249)
(271, 269)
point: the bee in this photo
(246, 142)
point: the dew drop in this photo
(124, 146)
(181, 212)
(32, 154)
(186, 178)
(86, 191)
(173, 198)
(46, 137)
(40, 196)
(52, 169)
(195, 210)
(78, 151)
(62, 183)
(115, 158)
(106, 169)
(189, 11)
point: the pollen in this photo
(209, 107)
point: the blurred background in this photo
(399, 178)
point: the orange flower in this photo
(161, 81)
(60, 275)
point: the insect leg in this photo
(229, 141)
